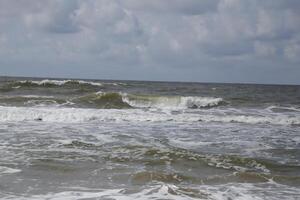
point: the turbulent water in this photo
(89, 139)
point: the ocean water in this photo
(88, 139)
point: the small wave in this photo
(240, 164)
(102, 100)
(148, 176)
(35, 96)
(31, 100)
(115, 83)
(230, 162)
(280, 109)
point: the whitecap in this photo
(171, 102)
(61, 82)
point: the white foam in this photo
(115, 84)
(226, 163)
(41, 103)
(61, 82)
(275, 119)
(89, 82)
(36, 96)
(237, 191)
(154, 192)
(249, 191)
(29, 97)
(78, 115)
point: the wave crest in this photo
(115, 100)
(122, 100)
(172, 102)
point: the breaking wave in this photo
(114, 100)
(147, 101)
(120, 100)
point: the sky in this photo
(245, 41)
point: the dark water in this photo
(89, 139)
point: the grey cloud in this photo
(188, 7)
(229, 49)
(55, 17)
(280, 4)
(162, 36)
(62, 20)
(9, 8)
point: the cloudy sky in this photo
(255, 41)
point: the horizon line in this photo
(137, 80)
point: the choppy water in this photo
(84, 139)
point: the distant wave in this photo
(73, 115)
(56, 83)
(49, 83)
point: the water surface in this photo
(91, 139)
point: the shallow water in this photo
(62, 139)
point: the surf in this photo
(84, 115)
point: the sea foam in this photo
(78, 115)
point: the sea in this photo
(65, 139)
